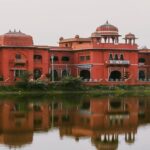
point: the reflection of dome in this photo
(105, 145)
(107, 29)
(13, 38)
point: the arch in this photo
(141, 75)
(85, 74)
(121, 57)
(55, 75)
(115, 75)
(116, 57)
(65, 73)
(37, 73)
(110, 57)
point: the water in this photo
(106, 123)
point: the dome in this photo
(107, 29)
(77, 36)
(130, 36)
(14, 38)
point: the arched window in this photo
(110, 57)
(121, 57)
(116, 57)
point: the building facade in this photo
(99, 59)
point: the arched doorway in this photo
(55, 75)
(65, 73)
(85, 74)
(141, 75)
(115, 75)
(37, 73)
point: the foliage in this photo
(71, 83)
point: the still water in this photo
(107, 123)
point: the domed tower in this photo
(106, 33)
(130, 38)
(14, 38)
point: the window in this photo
(65, 58)
(141, 60)
(19, 73)
(110, 57)
(116, 57)
(87, 57)
(121, 57)
(18, 56)
(37, 57)
(82, 58)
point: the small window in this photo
(141, 60)
(65, 58)
(87, 57)
(121, 57)
(37, 57)
(116, 57)
(18, 56)
(82, 58)
(110, 57)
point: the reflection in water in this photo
(103, 120)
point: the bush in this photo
(71, 83)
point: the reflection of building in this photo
(16, 124)
(103, 120)
(98, 59)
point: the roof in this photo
(14, 38)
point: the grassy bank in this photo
(94, 91)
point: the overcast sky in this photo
(47, 20)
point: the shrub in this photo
(71, 83)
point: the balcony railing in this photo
(118, 62)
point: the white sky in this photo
(47, 20)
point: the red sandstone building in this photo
(98, 59)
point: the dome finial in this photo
(107, 22)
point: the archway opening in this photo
(65, 73)
(37, 73)
(141, 75)
(85, 74)
(115, 75)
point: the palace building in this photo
(98, 59)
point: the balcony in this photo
(118, 62)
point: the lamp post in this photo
(52, 59)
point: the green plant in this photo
(71, 83)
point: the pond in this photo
(72, 123)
